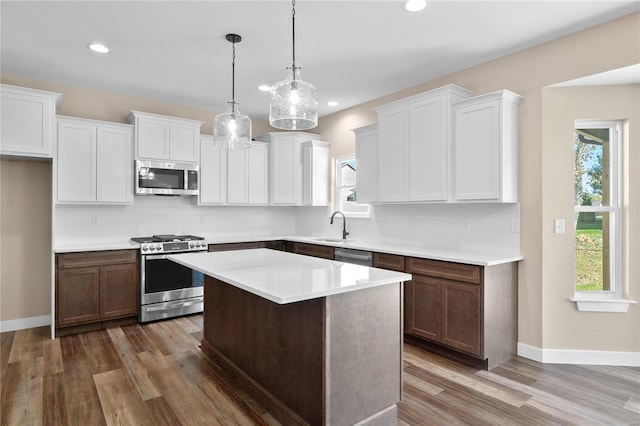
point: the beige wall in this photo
(25, 239)
(608, 46)
(563, 326)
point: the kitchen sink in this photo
(331, 240)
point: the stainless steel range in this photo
(168, 289)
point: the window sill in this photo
(602, 305)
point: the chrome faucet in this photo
(344, 223)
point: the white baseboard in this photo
(569, 356)
(24, 323)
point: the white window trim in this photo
(336, 192)
(607, 301)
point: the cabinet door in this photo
(393, 158)
(258, 169)
(286, 174)
(114, 165)
(213, 173)
(77, 296)
(367, 166)
(429, 142)
(423, 307)
(76, 162)
(237, 188)
(28, 121)
(152, 139)
(118, 291)
(184, 142)
(477, 152)
(461, 316)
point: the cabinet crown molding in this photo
(19, 90)
(138, 114)
(449, 89)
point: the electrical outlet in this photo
(94, 220)
(467, 224)
(558, 226)
(515, 226)
(203, 219)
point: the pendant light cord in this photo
(233, 74)
(293, 38)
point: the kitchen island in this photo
(315, 341)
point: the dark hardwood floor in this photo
(156, 375)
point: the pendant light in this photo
(232, 129)
(294, 103)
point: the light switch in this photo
(558, 225)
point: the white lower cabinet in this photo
(93, 162)
(486, 148)
(28, 118)
(233, 176)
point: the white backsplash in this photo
(168, 215)
(490, 228)
(469, 227)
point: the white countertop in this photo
(481, 258)
(283, 277)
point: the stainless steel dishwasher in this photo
(359, 257)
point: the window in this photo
(345, 195)
(597, 221)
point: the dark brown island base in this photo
(314, 340)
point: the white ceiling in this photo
(353, 51)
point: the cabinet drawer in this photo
(237, 246)
(325, 252)
(95, 258)
(388, 261)
(449, 270)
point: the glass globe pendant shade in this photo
(294, 103)
(232, 129)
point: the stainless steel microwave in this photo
(166, 178)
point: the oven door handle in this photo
(155, 256)
(178, 303)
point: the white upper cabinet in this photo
(164, 138)
(213, 172)
(393, 154)
(367, 164)
(315, 173)
(248, 175)
(486, 148)
(93, 162)
(28, 118)
(414, 146)
(233, 176)
(287, 167)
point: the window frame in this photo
(337, 202)
(614, 209)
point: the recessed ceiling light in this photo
(99, 48)
(332, 103)
(414, 5)
(264, 88)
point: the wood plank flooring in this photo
(155, 374)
